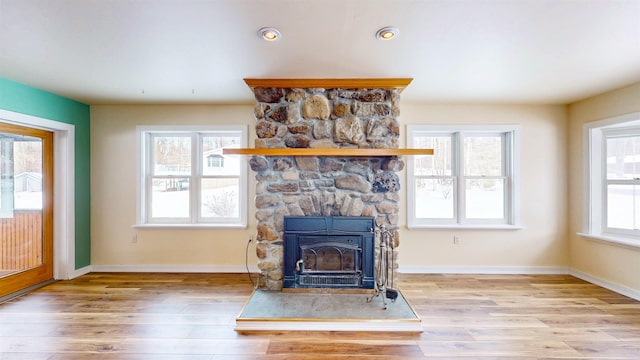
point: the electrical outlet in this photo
(456, 239)
(134, 239)
(250, 238)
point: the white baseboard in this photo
(620, 289)
(173, 268)
(532, 270)
(79, 272)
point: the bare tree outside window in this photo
(223, 203)
(172, 155)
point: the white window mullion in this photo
(507, 172)
(596, 177)
(460, 179)
(148, 170)
(194, 187)
(604, 201)
(458, 199)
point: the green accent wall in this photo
(27, 100)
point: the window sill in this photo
(614, 240)
(189, 226)
(465, 227)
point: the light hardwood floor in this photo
(191, 316)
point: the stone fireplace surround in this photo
(323, 117)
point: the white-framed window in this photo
(612, 179)
(471, 180)
(180, 185)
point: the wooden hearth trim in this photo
(346, 152)
(357, 83)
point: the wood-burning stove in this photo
(328, 252)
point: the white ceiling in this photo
(198, 51)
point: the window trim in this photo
(143, 136)
(609, 133)
(594, 179)
(512, 187)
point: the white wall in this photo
(113, 195)
(542, 243)
(615, 264)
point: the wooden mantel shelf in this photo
(354, 83)
(341, 152)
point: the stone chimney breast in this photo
(322, 186)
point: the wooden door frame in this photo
(64, 190)
(26, 275)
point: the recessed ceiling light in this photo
(269, 34)
(387, 33)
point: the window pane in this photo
(220, 198)
(27, 173)
(172, 155)
(439, 164)
(623, 157)
(434, 198)
(484, 198)
(213, 162)
(483, 155)
(170, 198)
(623, 207)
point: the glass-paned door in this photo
(26, 202)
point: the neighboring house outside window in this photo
(612, 179)
(184, 180)
(471, 181)
(215, 161)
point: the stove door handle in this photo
(298, 267)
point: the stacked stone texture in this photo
(322, 186)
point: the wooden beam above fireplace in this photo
(356, 83)
(342, 152)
